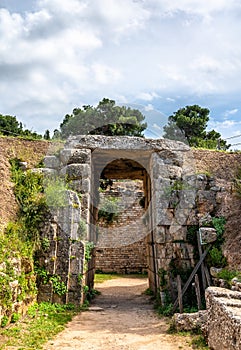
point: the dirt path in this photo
(125, 320)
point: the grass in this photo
(41, 324)
(199, 343)
(102, 277)
(197, 339)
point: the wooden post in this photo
(191, 277)
(179, 289)
(202, 265)
(208, 277)
(198, 293)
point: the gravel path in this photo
(121, 318)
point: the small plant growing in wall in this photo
(43, 276)
(89, 246)
(45, 244)
(59, 286)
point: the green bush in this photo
(15, 317)
(215, 255)
(228, 275)
(216, 258)
(4, 321)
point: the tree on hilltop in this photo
(105, 119)
(10, 126)
(189, 124)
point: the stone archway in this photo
(166, 169)
(125, 243)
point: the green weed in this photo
(42, 323)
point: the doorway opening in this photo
(122, 232)
(121, 228)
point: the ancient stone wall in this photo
(224, 319)
(175, 197)
(67, 227)
(123, 256)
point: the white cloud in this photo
(228, 129)
(230, 112)
(104, 74)
(146, 96)
(64, 52)
(194, 7)
(169, 99)
(149, 107)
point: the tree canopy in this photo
(10, 126)
(189, 124)
(105, 119)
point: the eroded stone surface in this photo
(224, 318)
(175, 197)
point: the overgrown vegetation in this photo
(215, 255)
(16, 264)
(28, 191)
(44, 277)
(199, 342)
(42, 322)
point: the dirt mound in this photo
(221, 165)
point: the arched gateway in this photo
(167, 171)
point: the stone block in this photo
(76, 265)
(202, 182)
(205, 201)
(48, 172)
(207, 235)
(223, 319)
(75, 185)
(178, 233)
(163, 216)
(85, 186)
(160, 169)
(187, 199)
(51, 162)
(77, 156)
(181, 216)
(173, 156)
(75, 171)
(214, 271)
(160, 234)
(189, 322)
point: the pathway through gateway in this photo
(121, 318)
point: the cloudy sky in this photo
(161, 54)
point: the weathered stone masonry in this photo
(125, 254)
(175, 197)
